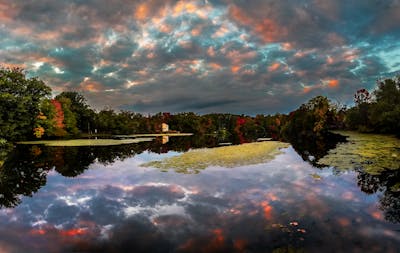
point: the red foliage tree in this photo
(59, 117)
(239, 123)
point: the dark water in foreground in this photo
(101, 200)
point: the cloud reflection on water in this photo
(122, 207)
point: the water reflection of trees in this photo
(24, 169)
(312, 149)
(386, 183)
(21, 176)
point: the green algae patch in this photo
(395, 188)
(228, 156)
(315, 176)
(374, 153)
(85, 142)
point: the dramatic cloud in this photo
(203, 56)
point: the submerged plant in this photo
(229, 156)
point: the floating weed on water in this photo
(315, 176)
(372, 152)
(229, 156)
(395, 188)
(291, 232)
(289, 229)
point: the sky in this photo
(238, 56)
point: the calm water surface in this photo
(102, 200)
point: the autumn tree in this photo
(70, 122)
(84, 115)
(310, 120)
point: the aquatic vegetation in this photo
(86, 142)
(315, 176)
(395, 188)
(227, 156)
(374, 153)
(4, 151)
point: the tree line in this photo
(27, 111)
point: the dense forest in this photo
(27, 111)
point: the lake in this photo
(116, 199)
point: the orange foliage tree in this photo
(58, 118)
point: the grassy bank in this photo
(85, 142)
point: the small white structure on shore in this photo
(164, 127)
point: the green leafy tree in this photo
(311, 119)
(70, 122)
(382, 115)
(385, 112)
(105, 121)
(357, 118)
(84, 115)
(20, 99)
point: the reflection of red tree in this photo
(59, 117)
(217, 243)
(239, 244)
(58, 157)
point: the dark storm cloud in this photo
(203, 56)
(119, 51)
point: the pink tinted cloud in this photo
(330, 83)
(141, 11)
(239, 58)
(274, 67)
(333, 83)
(328, 9)
(286, 46)
(350, 55)
(8, 12)
(266, 29)
(235, 69)
(90, 85)
(335, 39)
(215, 66)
